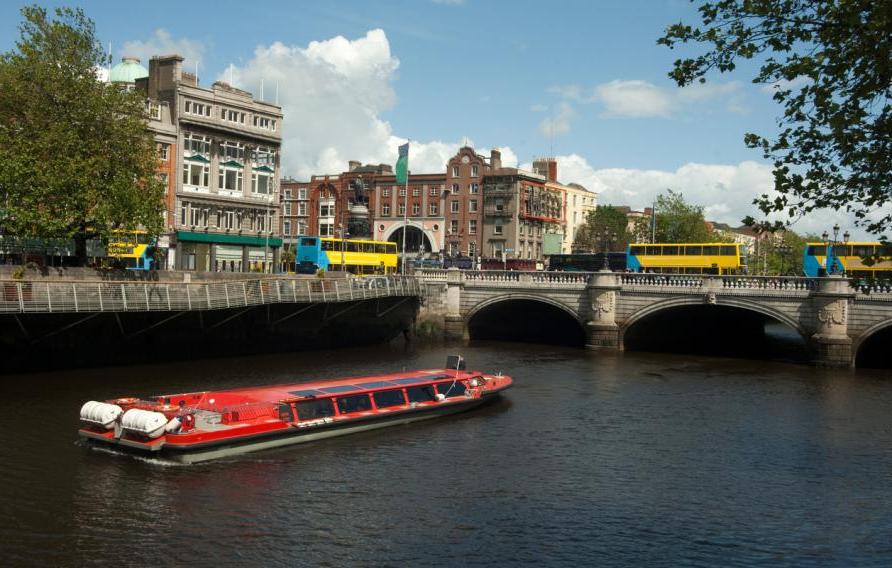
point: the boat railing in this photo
(105, 296)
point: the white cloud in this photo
(162, 43)
(640, 99)
(725, 191)
(559, 123)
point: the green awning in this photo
(228, 239)
(197, 158)
(264, 169)
(232, 164)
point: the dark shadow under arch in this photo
(526, 320)
(873, 351)
(720, 330)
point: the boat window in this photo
(384, 399)
(451, 389)
(285, 413)
(421, 394)
(313, 409)
(356, 403)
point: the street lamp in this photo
(784, 250)
(342, 233)
(607, 239)
(830, 264)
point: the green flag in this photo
(402, 164)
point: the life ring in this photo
(126, 401)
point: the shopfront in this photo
(226, 253)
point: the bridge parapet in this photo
(107, 296)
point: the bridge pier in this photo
(601, 330)
(454, 326)
(831, 344)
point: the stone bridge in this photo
(833, 317)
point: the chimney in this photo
(495, 159)
(164, 72)
(546, 167)
(352, 165)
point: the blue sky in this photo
(582, 80)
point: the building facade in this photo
(225, 213)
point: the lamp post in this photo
(784, 250)
(830, 264)
(341, 232)
(608, 238)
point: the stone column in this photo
(454, 327)
(601, 330)
(831, 344)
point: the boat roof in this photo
(322, 388)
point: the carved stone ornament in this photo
(711, 299)
(833, 314)
(604, 305)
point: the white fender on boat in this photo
(144, 422)
(100, 413)
(173, 426)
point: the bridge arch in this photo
(555, 321)
(864, 341)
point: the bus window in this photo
(693, 251)
(729, 250)
(817, 250)
(653, 251)
(328, 245)
(636, 250)
(670, 250)
(710, 250)
(885, 251)
(308, 242)
(861, 250)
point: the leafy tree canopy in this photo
(590, 235)
(677, 222)
(76, 160)
(831, 64)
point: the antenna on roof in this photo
(261, 88)
(230, 75)
(277, 92)
(196, 72)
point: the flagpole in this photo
(405, 220)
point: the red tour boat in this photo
(200, 426)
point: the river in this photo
(619, 459)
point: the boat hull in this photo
(199, 452)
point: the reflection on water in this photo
(592, 458)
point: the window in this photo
(302, 208)
(287, 208)
(453, 226)
(196, 174)
(314, 409)
(500, 204)
(259, 220)
(302, 193)
(263, 156)
(474, 188)
(198, 109)
(454, 188)
(260, 183)
(196, 144)
(472, 206)
(454, 206)
(472, 249)
(225, 219)
(421, 394)
(230, 179)
(301, 227)
(264, 122)
(163, 178)
(197, 217)
(416, 191)
(521, 228)
(164, 152)
(416, 209)
(453, 249)
(450, 390)
(473, 171)
(326, 229)
(690, 251)
(153, 109)
(386, 399)
(472, 227)
(385, 209)
(232, 115)
(497, 228)
(326, 209)
(385, 192)
(286, 227)
(455, 171)
(402, 210)
(355, 403)
(433, 209)
(433, 191)
(402, 192)
(729, 251)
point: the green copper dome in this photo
(127, 71)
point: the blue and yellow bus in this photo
(849, 259)
(357, 256)
(687, 258)
(133, 250)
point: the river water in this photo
(618, 459)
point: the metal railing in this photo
(104, 296)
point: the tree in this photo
(76, 160)
(677, 222)
(589, 236)
(830, 63)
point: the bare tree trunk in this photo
(80, 248)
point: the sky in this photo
(583, 81)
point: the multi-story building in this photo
(226, 204)
(577, 202)
(463, 201)
(295, 211)
(518, 210)
(415, 209)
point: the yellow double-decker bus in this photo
(359, 256)
(687, 258)
(133, 250)
(868, 260)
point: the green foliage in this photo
(590, 235)
(677, 222)
(831, 62)
(76, 160)
(778, 253)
